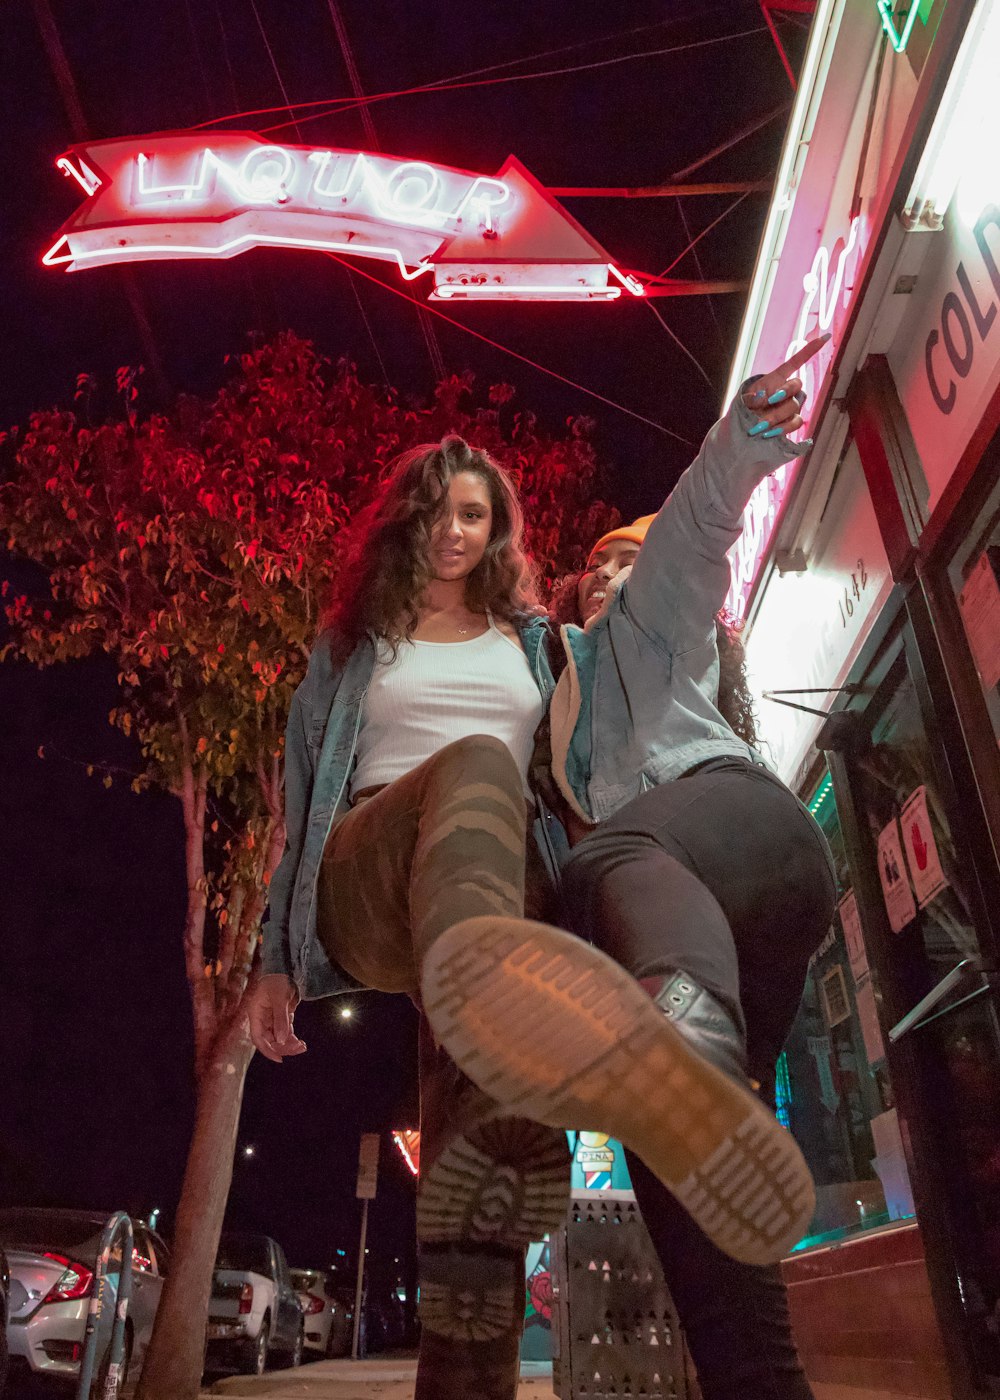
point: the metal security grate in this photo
(615, 1331)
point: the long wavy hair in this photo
(386, 568)
(734, 701)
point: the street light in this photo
(249, 1150)
(346, 1012)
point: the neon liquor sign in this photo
(192, 195)
(825, 289)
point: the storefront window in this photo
(833, 1089)
(932, 932)
(975, 577)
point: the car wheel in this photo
(255, 1357)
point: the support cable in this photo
(692, 247)
(681, 346)
(765, 10)
(274, 64)
(516, 354)
(249, 275)
(698, 237)
(735, 140)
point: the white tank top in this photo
(433, 693)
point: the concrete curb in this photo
(385, 1378)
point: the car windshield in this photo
(44, 1231)
(307, 1280)
(247, 1253)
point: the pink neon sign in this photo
(198, 195)
(827, 290)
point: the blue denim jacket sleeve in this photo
(276, 950)
(681, 576)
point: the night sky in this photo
(94, 1023)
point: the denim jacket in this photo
(320, 744)
(636, 705)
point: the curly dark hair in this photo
(734, 701)
(385, 564)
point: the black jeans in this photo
(724, 875)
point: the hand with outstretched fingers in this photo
(271, 1008)
(777, 398)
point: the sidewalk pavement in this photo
(385, 1378)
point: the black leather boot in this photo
(703, 1020)
(558, 1033)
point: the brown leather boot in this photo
(490, 1184)
(452, 1369)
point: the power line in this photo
(334, 106)
(197, 51)
(274, 65)
(470, 73)
(337, 110)
(368, 325)
(354, 77)
(516, 354)
(249, 276)
(352, 72)
(583, 44)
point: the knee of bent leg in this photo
(581, 878)
(479, 756)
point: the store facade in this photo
(870, 583)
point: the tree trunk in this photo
(176, 1356)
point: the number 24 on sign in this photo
(859, 581)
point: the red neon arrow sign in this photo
(198, 195)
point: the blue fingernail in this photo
(775, 432)
(758, 396)
(778, 396)
(758, 428)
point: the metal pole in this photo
(669, 191)
(361, 1280)
(118, 1227)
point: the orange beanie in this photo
(635, 533)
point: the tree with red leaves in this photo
(195, 549)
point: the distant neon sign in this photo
(192, 195)
(407, 1141)
(826, 290)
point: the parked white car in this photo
(329, 1312)
(52, 1255)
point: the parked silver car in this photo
(52, 1255)
(328, 1311)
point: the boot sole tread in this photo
(560, 1034)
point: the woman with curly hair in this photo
(406, 807)
(703, 886)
